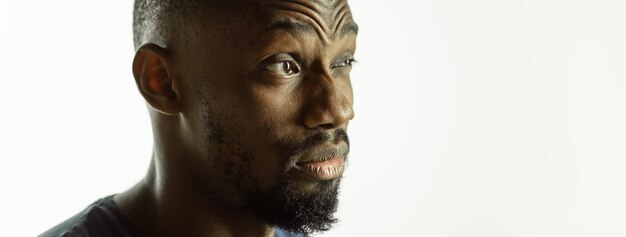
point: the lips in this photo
(331, 167)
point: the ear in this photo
(153, 75)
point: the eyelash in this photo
(345, 63)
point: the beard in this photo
(282, 205)
(301, 212)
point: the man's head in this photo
(250, 102)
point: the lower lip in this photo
(324, 170)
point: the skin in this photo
(227, 100)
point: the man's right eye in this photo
(284, 68)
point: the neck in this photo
(166, 203)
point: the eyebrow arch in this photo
(304, 27)
(350, 27)
(289, 24)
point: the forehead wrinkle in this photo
(305, 14)
(330, 19)
(307, 10)
(344, 17)
(318, 6)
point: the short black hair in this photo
(151, 15)
(164, 17)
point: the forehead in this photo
(328, 19)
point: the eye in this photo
(344, 63)
(284, 68)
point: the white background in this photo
(474, 118)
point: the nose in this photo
(330, 104)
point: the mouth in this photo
(320, 158)
(330, 167)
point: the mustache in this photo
(319, 138)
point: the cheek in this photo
(271, 116)
(253, 123)
(249, 167)
(272, 110)
(234, 163)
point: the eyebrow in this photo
(350, 27)
(290, 25)
(299, 26)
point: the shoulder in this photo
(102, 218)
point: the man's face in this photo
(267, 100)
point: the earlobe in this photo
(152, 74)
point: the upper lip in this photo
(324, 153)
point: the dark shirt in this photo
(104, 218)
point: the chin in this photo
(298, 205)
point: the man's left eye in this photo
(344, 63)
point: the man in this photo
(249, 102)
